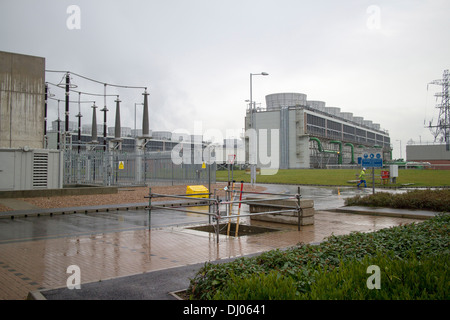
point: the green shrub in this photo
(435, 200)
(431, 237)
(213, 276)
(400, 279)
(259, 286)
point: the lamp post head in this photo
(259, 74)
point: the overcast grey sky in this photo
(372, 58)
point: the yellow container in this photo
(197, 190)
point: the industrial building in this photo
(24, 163)
(437, 156)
(311, 134)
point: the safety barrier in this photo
(221, 209)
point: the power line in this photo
(86, 93)
(71, 101)
(100, 82)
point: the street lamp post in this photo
(255, 148)
(400, 148)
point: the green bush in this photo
(259, 286)
(213, 276)
(400, 279)
(435, 200)
(431, 237)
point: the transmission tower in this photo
(441, 128)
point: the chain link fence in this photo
(118, 168)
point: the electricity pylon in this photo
(441, 128)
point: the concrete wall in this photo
(66, 191)
(306, 213)
(22, 87)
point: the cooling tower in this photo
(319, 105)
(287, 99)
(335, 111)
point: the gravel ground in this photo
(124, 195)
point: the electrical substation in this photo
(34, 157)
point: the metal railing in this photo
(220, 210)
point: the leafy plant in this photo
(258, 286)
(301, 262)
(400, 279)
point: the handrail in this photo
(216, 203)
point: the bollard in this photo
(239, 210)
(230, 211)
(217, 218)
(149, 208)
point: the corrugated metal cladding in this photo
(22, 81)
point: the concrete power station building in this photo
(312, 135)
(24, 163)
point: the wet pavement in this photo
(77, 224)
(120, 258)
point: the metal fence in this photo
(220, 210)
(118, 168)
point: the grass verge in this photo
(343, 177)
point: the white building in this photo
(307, 134)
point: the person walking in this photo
(362, 178)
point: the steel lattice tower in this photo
(441, 129)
